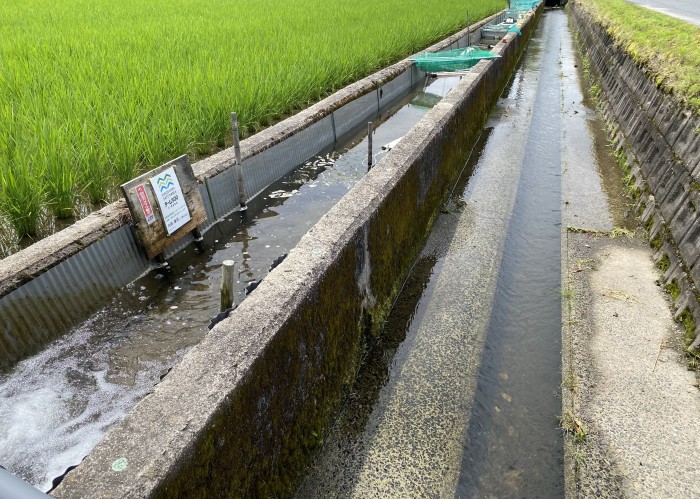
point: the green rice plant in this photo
(95, 173)
(22, 196)
(59, 178)
(96, 92)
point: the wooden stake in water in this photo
(238, 168)
(369, 145)
(226, 285)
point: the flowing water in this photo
(461, 397)
(58, 404)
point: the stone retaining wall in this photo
(245, 409)
(660, 140)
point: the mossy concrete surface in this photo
(660, 138)
(245, 408)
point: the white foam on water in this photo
(56, 406)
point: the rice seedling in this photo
(21, 198)
(92, 93)
(59, 178)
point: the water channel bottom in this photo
(461, 399)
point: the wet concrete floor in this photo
(462, 396)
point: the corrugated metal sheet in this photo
(178, 246)
(263, 169)
(355, 115)
(211, 217)
(52, 303)
(395, 90)
(223, 192)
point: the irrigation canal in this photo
(460, 397)
(57, 405)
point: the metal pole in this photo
(468, 30)
(369, 145)
(226, 285)
(238, 167)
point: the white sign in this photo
(170, 199)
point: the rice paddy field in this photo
(92, 92)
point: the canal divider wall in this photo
(71, 274)
(245, 409)
(659, 138)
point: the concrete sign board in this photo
(165, 205)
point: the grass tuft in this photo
(21, 197)
(574, 426)
(667, 47)
(664, 263)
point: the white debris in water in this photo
(281, 194)
(56, 406)
(174, 307)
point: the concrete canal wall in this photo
(660, 140)
(70, 275)
(245, 408)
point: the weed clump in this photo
(664, 263)
(573, 426)
(673, 289)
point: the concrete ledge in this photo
(246, 408)
(661, 140)
(25, 265)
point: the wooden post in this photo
(239, 167)
(226, 285)
(369, 145)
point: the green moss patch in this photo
(664, 263)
